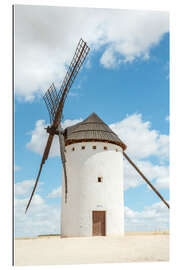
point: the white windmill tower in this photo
(92, 159)
(94, 164)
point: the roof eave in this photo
(73, 141)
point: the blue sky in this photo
(125, 80)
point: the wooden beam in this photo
(147, 181)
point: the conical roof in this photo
(91, 129)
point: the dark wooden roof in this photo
(91, 129)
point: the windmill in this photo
(55, 102)
(97, 137)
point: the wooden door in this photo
(98, 223)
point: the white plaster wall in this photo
(86, 194)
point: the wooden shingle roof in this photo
(91, 129)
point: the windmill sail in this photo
(55, 103)
(51, 101)
(147, 181)
(78, 59)
(44, 158)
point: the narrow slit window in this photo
(73, 149)
(94, 147)
(83, 147)
(105, 147)
(99, 179)
(116, 150)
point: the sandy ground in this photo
(55, 250)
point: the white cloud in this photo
(163, 146)
(151, 218)
(108, 59)
(131, 177)
(40, 218)
(68, 122)
(25, 187)
(167, 118)
(36, 201)
(162, 183)
(141, 140)
(39, 139)
(55, 193)
(132, 34)
(159, 173)
(43, 47)
(142, 143)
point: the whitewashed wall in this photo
(86, 194)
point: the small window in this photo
(116, 150)
(94, 147)
(83, 147)
(99, 179)
(73, 149)
(105, 147)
